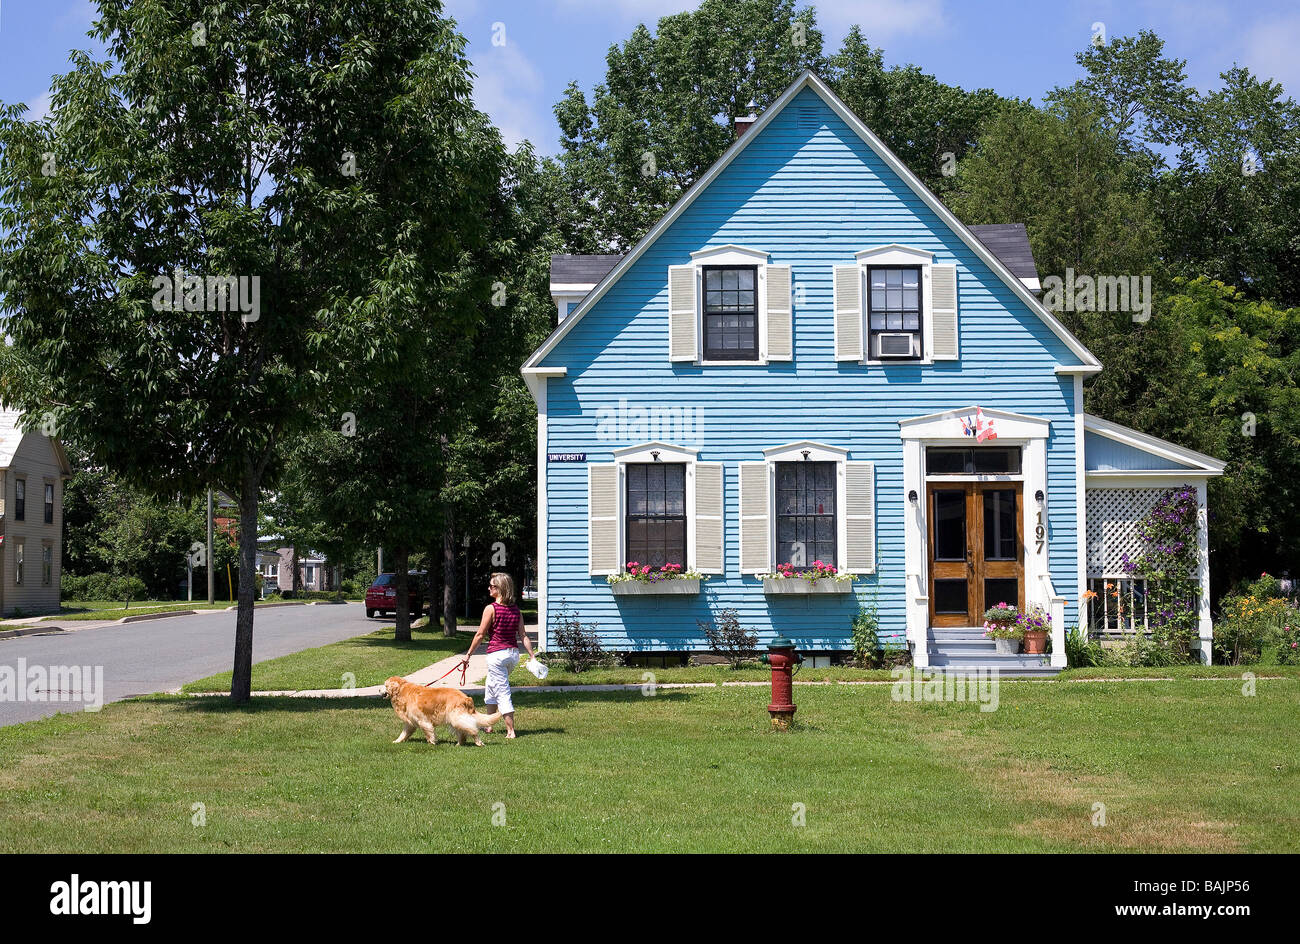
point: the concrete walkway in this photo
(435, 675)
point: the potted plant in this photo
(1035, 623)
(1002, 625)
(638, 578)
(820, 578)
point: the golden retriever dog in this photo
(425, 708)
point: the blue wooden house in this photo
(809, 361)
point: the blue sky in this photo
(1020, 49)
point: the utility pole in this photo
(212, 593)
(380, 565)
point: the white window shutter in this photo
(848, 313)
(682, 342)
(860, 517)
(602, 519)
(755, 555)
(780, 323)
(943, 305)
(708, 518)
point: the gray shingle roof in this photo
(583, 270)
(1010, 243)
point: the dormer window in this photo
(730, 313)
(894, 313)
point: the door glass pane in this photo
(950, 595)
(1000, 524)
(950, 526)
(1001, 590)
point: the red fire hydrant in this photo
(782, 658)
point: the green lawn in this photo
(371, 658)
(1183, 765)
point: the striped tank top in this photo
(505, 627)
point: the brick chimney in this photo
(744, 122)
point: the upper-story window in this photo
(656, 513)
(49, 504)
(20, 500)
(730, 313)
(894, 312)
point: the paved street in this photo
(160, 655)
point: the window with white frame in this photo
(807, 501)
(655, 512)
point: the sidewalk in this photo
(432, 675)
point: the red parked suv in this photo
(381, 597)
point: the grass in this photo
(371, 658)
(633, 675)
(1180, 766)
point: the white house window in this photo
(656, 513)
(894, 312)
(731, 313)
(310, 575)
(49, 503)
(20, 499)
(47, 565)
(806, 528)
(19, 560)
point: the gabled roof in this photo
(1088, 362)
(1188, 461)
(569, 269)
(1010, 243)
(11, 437)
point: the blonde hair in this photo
(506, 587)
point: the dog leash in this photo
(464, 667)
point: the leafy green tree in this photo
(929, 125)
(664, 113)
(258, 139)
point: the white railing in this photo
(1056, 609)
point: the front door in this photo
(976, 550)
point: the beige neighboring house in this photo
(33, 468)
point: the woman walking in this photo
(503, 620)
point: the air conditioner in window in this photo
(896, 345)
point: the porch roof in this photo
(1115, 451)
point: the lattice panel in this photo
(1113, 518)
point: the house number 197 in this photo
(1040, 533)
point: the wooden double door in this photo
(976, 549)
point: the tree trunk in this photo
(296, 584)
(449, 577)
(241, 681)
(401, 563)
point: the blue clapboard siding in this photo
(1103, 454)
(810, 192)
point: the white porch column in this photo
(1205, 625)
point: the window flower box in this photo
(644, 580)
(658, 588)
(777, 585)
(822, 578)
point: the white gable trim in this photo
(724, 255)
(1196, 462)
(947, 426)
(817, 452)
(894, 254)
(809, 80)
(656, 452)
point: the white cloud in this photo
(39, 107)
(1269, 51)
(509, 88)
(879, 19)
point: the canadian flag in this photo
(983, 427)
